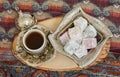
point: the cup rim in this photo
(38, 50)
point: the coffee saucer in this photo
(33, 60)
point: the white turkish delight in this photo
(64, 38)
(71, 47)
(82, 51)
(81, 22)
(90, 32)
(89, 43)
(75, 33)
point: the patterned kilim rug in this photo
(108, 11)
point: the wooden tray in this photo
(61, 62)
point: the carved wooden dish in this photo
(60, 62)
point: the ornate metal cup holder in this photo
(33, 59)
(26, 23)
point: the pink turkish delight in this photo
(89, 43)
(64, 38)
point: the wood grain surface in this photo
(60, 62)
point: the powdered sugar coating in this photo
(81, 22)
(71, 47)
(90, 32)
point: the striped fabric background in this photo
(108, 11)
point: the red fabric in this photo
(25, 7)
(101, 3)
(115, 17)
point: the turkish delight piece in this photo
(81, 22)
(89, 32)
(64, 38)
(82, 51)
(89, 43)
(75, 33)
(71, 47)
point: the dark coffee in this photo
(34, 40)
